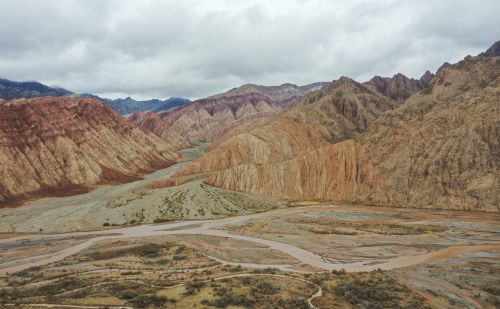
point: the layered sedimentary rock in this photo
(58, 145)
(149, 121)
(440, 149)
(399, 87)
(213, 117)
(342, 109)
(293, 155)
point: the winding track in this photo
(209, 228)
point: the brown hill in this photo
(53, 145)
(440, 149)
(209, 119)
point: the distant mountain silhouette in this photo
(129, 106)
(15, 90)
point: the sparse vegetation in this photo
(372, 290)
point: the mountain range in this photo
(431, 142)
(128, 105)
(16, 90)
(355, 143)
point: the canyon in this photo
(344, 194)
(169, 154)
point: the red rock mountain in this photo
(52, 145)
(150, 122)
(439, 149)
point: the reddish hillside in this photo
(56, 145)
(150, 122)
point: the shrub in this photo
(265, 287)
(145, 301)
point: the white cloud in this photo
(155, 48)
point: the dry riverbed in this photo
(421, 252)
(195, 246)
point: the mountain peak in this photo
(345, 79)
(426, 78)
(493, 51)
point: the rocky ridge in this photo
(399, 87)
(14, 90)
(439, 149)
(213, 117)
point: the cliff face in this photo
(341, 172)
(52, 145)
(211, 118)
(440, 149)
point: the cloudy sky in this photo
(191, 48)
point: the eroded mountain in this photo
(439, 149)
(63, 145)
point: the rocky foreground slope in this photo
(55, 145)
(439, 149)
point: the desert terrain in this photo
(302, 255)
(249, 154)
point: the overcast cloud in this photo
(158, 49)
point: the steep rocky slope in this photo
(399, 87)
(342, 109)
(54, 145)
(210, 118)
(439, 149)
(493, 51)
(149, 121)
